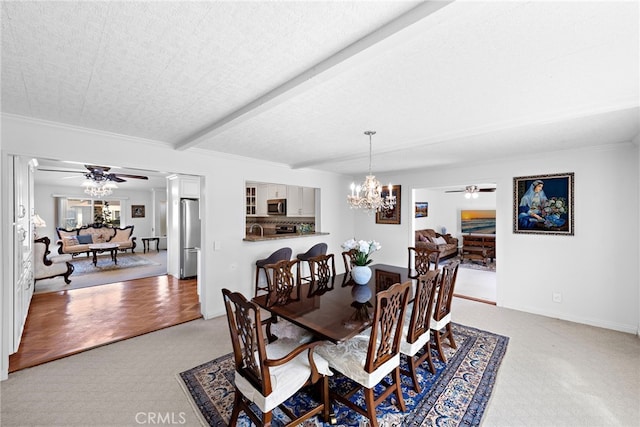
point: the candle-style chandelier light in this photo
(368, 195)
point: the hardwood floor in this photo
(63, 323)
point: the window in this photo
(74, 213)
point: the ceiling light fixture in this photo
(471, 191)
(368, 195)
(98, 188)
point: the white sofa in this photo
(77, 240)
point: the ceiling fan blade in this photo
(114, 177)
(60, 170)
(487, 190)
(454, 191)
(132, 176)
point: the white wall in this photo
(224, 177)
(596, 270)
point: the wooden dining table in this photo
(338, 310)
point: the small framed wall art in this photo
(543, 204)
(137, 211)
(391, 216)
(422, 209)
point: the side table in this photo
(145, 243)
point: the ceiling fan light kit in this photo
(368, 195)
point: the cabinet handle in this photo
(21, 211)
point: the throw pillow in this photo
(439, 241)
(85, 239)
(70, 241)
(423, 238)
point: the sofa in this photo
(77, 240)
(446, 244)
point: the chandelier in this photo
(368, 195)
(98, 188)
(471, 191)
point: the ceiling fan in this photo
(100, 174)
(472, 191)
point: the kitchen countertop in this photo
(259, 238)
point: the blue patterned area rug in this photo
(457, 394)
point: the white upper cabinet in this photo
(189, 187)
(301, 201)
(276, 191)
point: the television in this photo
(478, 221)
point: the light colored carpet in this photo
(555, 373)
(141, 265)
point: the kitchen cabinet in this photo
(250, 195)
(189, 187)
(301, 201)
(261, 200)
(276, 191)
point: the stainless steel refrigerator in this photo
(189, 237)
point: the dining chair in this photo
(283, 288)
(422, 260)
(367, 360)
(269, 374)
(315, 250)
(280, 254)
(323, 272)
(416, 334)
(442, 312)
(349, 259)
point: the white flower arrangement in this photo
(364, 249)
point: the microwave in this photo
(277, 207)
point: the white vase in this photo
(361, 274)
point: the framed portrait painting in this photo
(390, 216)
(137, 211)
(543, 204)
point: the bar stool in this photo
(315, 250)
(279, 255)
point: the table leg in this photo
(95, 258)
(114, 255)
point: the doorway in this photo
(440, 209)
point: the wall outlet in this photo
(557, 297)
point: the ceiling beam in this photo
(314, 75)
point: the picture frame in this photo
(546, 210)
(137, 211)
(422, 209)
(391, 216)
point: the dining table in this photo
(339, 309)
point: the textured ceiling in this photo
(299, 82)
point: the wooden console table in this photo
(479, 247)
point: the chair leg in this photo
(236, 408)
(398, 388)
(412, 371)
(436, 335)
(428, 357)
(326, 402)
(449, 335)
(370, 401)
